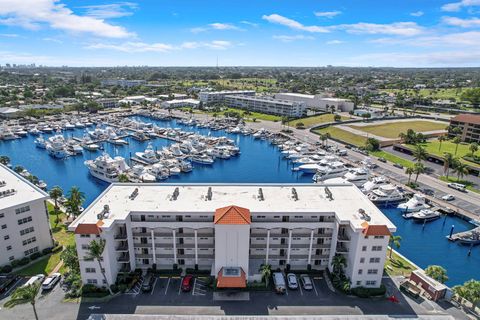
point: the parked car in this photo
(398, 165)
(148, 282)
(292, 281)
(279, 282)
(7, 281)
(51, 281)
(429, 192)
(342, 152)
(448, 197)
(307, 283)
(347, 146)
(381, 159)
(457, 186)
(34, 280)
(187, 283)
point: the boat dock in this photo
(464, 234)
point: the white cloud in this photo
(452, 40)
(141, 47)
(457, 6)
(216, 26)
(32, 14)
(335, 42)
(286, 38)
(463, 23)
(292, 24)
(52, 40)
(417, 13)
(9, 35)
(395, 28)
(112, 10)
(216, 44)
(252, 24)
(327, 14)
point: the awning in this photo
(231, 277)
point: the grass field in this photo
(392, 130)
(315, 120)
(444, 94)
(468, 184)
(343, 135)
(257, 84)
(433, 147)
(392, 158)
(397, 266)
(247, 117)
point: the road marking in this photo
(315, 288)
(300, 287)
(180, 286)
(194, 284)
(12, 287)
(166, 288)
(154, 284)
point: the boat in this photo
(470, 239)
(140, 136)
(68, 126)
(175, 150)
(42, 185)
(416, 203)
(426, 215)
(74, 147)
(34, 131)
(57, 147)
(185, 166)
(356, 176)
(106, 168)
(159, 171)
(47, 129)
(7, 134)
(140, 174)
(40, 142)
(87, 143)
(309, 168)
(202, 159)
(149, 155)
(334, 170)
(385, 195)
(374, 183)
(81, 125)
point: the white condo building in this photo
(236, 227)
(318, 101)
(219, 96)
(24, 226)
(266, 104)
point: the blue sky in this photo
(398, 33)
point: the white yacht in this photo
(172, 166)
(68, 126)
(310, 168)
(105, 168)
(425, 215)
(57, 147)
(40, 142)
(185, 166)
(80, 125)
(34, 131)
(149, 155)
(385, 195)
(333, 170)
(356, 176)
(416, 203)
(159, 171)
(87, 143)
(140, 174)
(202, 159)
(374, 183)
(113, 137)
(7, 134)
(175, 149)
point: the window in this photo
(371, 283)
(4, 226)
(25, 231)
(360, 271)
(379, 237)
(6, 237)
(377, 248)
(92, 281)
(372, 271)
(30, 251)
(364, 248)
(2, 215)
(374, 260)
(9, 248)
(25, 220)
(84, 236)
(85, 246)
(11, 258)
(359, 283)
(90, 270)
(22, 209)
(362, 260)
(30, 240)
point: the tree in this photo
(441, 139)
(4, 160)
(266, 272)
(473, 148)
(457, 141)
(122, 177)
(394, 241)
(447, 162)
(323, 138)
(24, 295)
(470, 290)
(437, 272)
(418, 168)
(18, 169)
(372, 144)
(338, 263)
(75, 200)
(409, 171)
(419, 154)
(56, 193)
(461, 169)
(69, 257)
(337, 117)
(95, 252)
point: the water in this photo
(260, 162)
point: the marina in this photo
(262, 160)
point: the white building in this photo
(10, 113)
(218, 96)
(41, 106)
(123, 83)
(180, 103)
(318, 101)
(107, 102)
(224, 227)
(24, 226)
(268, 105)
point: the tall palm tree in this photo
(461, 169)
(419, 154)
(266, 272)
(75, 200)
(338, 263)
(56, 193)
(323, 138)
(409, 171)
(4, 160)
(441, 139)
(123, 178)
(473, 148)
(95, 251)
(394, 241)
(24, 295)
(457, 141)
(447, 162)
(418, 168)
(437, 272)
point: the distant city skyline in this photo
(300, 33)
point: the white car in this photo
(51, 281)
(292, 281)
(448, 197)
(457, 186)
(34, 280)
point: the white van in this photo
(457, 186)
(34, 280)
(279, 282)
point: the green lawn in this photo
(397, 266)
(444, 94)
(392, 158)
(393, 129)
(468, 184)
(315, 120)
(43, 265)
(247, 116)
(343, 135)
(433, 147)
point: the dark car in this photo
(398, 165)
(187, 283)
(381, 159)
(148, 283)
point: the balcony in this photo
(125, 268)
(342, 249)
(170, 234)
(123, 258)
(285, 235)
(122, 247)
(343, 238)
(120, 236)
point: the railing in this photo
(285, 235)
(125, 258)
(120, 236)
(170, 234)
(343, 237)
(122, 247)
(342, 249)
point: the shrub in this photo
(47, 251)
(122, 287)
(7, 269)
(24, 261)
(114, 287)
(363, 292)
(35, 255)
(15, 263)
(57, 249)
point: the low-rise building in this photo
(10, 113)
(24, 225)
(469, 125)
(107, 102)
(318, 102)
(264, 104)
(123, 83)
(49, 106)
(180, 103)
(208, 97)
(231, 227)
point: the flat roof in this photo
(192, 198)
(468, 118)
(299, 95)
(25, 191)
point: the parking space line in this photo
(314, 288)
(194, 284)
(300, 287)
(180, 286)
(166, 288)
(154, 284)
(12, 287)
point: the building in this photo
(107, 102)
(180, 103)
(24, 226)
(469, 125)
(266, 104)
(227, 228)
(208, 97)
(318, 102)
(122, 83)
(41, 106)
(175, 96)
(10, 113)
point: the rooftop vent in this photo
(8, 192)
(3, 183)
(175, 194)
(106, 211)
(294, 194)
(329, 194)
(134, 194)
(260, 194)
(363, 215)
(209, 194)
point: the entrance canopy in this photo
(231, 277)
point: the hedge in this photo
(168, 272)
(197, 272)
(363, 292)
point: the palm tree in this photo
(323, 138)
(24, 295)
(394, 241)
(266, 272)
(56, 193)
(457, 141)
(123, 178)
(338, 263)
(437, 272)
(327, 136)
(473, 148)
(4, 160)
(441, 139)
(95, 251)
(419, 153)
(18, 169)
(461, 169)
(447, 162)
(75, 200)
(418, 168)
(409, 171)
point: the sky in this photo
(395, 33)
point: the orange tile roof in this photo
(231, 282)
(467, 118)
(375, 230)
(232, 215)
(89, 228)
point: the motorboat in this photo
(80, 125)
(414, 204)
(202, 159)
(74, 147)
(471, 238)
(175, 150)
(140, 174)
(426, 215)
(42, 185)
(40, 142)
(106, 168)
(385, 195)
(68, 126)
(7, 134)
(185, 166)
(87, 143)
(34, 131)
(172, 167)
(357, 176)
(159, 171)
(309, 168)
(56, 146)
(334, 170)
(149, 155)
(46, 129)
(374, 183)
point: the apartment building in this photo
(234, 229)
(24, 226)
(208, 97)
(469, 125)
(122, 83)
(107, 102)
(268, 105)
(318, 101)
(180, 103)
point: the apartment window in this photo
(25, 220)
(261, 217)
(26, 231)
(259, 238)
(4, 226)
(298, 217)
(362, 260)
(371, 283)
(360, 271)
(377, 248)
(372, 271)
(92, 281)
(90, 270)
(364, 248)
(379, 237)
(22, 209)
(2, 215)
(30, 240)
(359, 283)
(84, 236)
(11, 258)
(85, 246)
(30, 251)
(9, 248)
(374, 260)
(6, 237)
